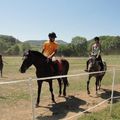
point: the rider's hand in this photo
(48, 60)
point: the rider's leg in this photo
(100, 62)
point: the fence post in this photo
(112, 92)
(32, 101)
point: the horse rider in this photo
(50, 48)
(96, 51)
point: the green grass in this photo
(104, 114)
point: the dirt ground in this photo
(63, 109)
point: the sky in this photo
(34, 19)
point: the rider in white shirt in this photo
(96, 51)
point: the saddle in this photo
(56, 67)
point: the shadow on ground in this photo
(107, 94)
(61, 109)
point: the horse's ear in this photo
(26, 52)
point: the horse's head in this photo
(27, 61)
(32, 57)
(92, 63)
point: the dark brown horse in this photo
(94, 66)
(1, 65)
(46, 69)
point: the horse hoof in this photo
(37, 105)
(64, 94)
(54, 101)
(88, 92)
(97, 93)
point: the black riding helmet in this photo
(96, 38)
(52, 35)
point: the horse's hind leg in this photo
(65, 81)
(51, 90)
(60, 86)
(100, 82)
(1, 73)
(97, 83)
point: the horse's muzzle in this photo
(22, 71)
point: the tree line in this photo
(79, 46)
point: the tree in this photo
(14, 50)
(79, 45)
(65, 50)
(25, 46)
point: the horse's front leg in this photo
(60, 86)
(39, 92)
(51, 90)
(97, 84)
(88, 82)
(1, 73)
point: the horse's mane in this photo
(36, 53)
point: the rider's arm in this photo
(42, 51)
(99, 52)
(92, 49)
(51, 55)
(43, 47)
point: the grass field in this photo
(104, 114)
(16, 97)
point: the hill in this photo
(40, 42)
(37, 44)
(9, 45)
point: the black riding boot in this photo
(102, 66)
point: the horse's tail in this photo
(65, 63)
(67, 73)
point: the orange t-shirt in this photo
(49, 47)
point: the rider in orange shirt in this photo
(50, 47)
(49, 50)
